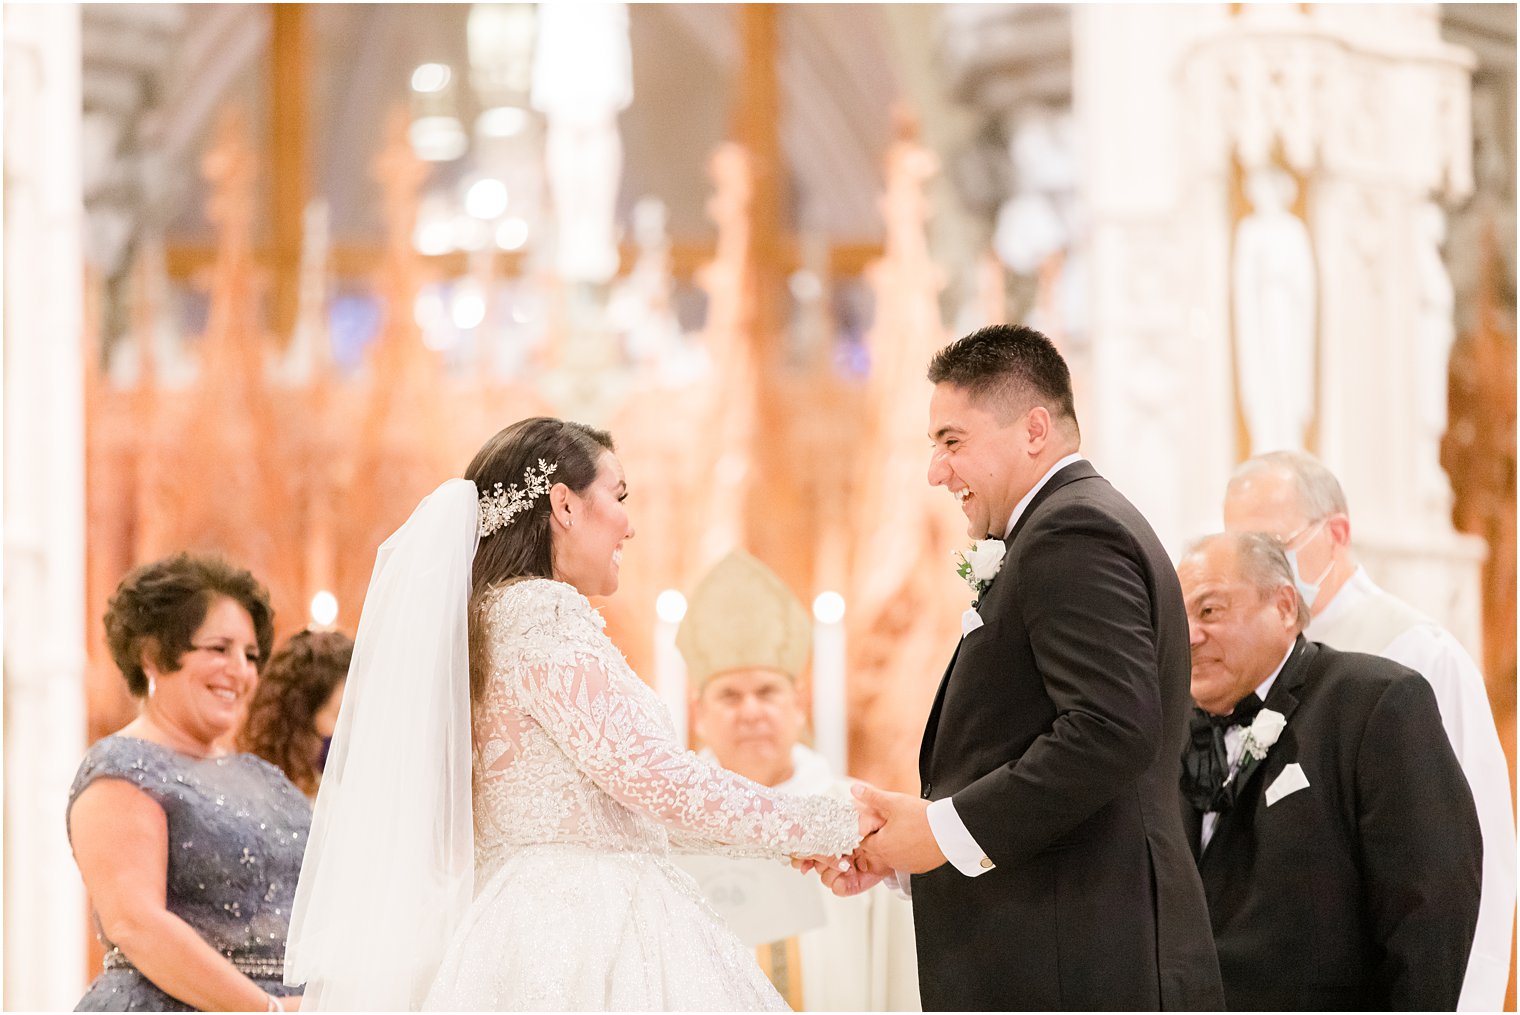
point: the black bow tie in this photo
(1245, 713)
(1206, 762)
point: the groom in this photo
(1048, 860)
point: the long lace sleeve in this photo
(575, 684)
(686, 842)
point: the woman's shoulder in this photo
(173, 779)
(119, 752)
(529, 602)
(140, 762)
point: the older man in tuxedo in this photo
(1334, 830)
(1291, 495)
(1049, 865)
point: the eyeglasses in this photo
(1288, 541)
(228, 650)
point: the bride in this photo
(503, 794)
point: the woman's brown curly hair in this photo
(295, 684)
(158, 607)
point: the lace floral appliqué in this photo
(572, 747)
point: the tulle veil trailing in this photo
(388, 870)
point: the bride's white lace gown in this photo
(580, 795)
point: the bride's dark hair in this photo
(524, 548)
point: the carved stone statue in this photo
(1275, 314)
(640, 307)
(1436, 330)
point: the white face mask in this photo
(1307, 589)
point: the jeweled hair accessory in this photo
(499, 506)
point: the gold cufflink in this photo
(987, 863)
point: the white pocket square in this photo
(1291, 780)
(970, 621)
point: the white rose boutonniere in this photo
(980, 563)
(1262, 733)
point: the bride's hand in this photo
(820, 863)
(860, 876)
(868, 821)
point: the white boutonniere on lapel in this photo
(1262, 734)
(980, 563)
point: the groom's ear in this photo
(1037, 428)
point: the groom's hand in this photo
(904, 842)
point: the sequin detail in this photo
(233, 874)
(252, 966)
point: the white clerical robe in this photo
(1364, 618)
(864, 957)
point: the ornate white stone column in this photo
(1158, 269)
(1365, 110)
(45, 916)
(1370, 109)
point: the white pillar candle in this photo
(669, 667)
(830, 729)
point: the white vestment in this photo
(1364, 618)
(864, 957)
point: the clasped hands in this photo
(895, 838)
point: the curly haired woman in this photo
(291, 719)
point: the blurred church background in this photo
(272, 272)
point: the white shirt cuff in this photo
(955, 841)
(900, 883)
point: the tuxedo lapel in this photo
(1283, 699)
(1072, 473)
(926, 749)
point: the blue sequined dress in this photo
(237, 831)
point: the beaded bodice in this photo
(237, 832)
(572, 747)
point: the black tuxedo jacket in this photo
(1361, 890)
(1057, 730)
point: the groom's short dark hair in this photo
(1010, 368)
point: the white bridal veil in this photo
(388, 870)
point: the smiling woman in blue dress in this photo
(189, 853)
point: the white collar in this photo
(1018, 509)
(1266, 685)
(1358, 586)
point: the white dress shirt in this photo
(1364, 618)
(1234, 740)
(950, 833)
